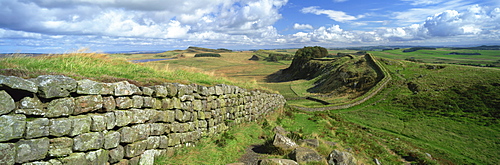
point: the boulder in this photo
(341, 158)
(304, 155)
(276, 161)
(284, 143)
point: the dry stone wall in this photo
(53, 119)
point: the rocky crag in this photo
(55, 119)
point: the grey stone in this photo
(12, 126)
(135, 149)
(128, 135)
(110, 120)
(167, 103)
(89, 87)
(38, 163)
(124, 88)
(305, 155)
(60, 107)
(108, 88)
(137, 101)
(153, 142)
(99, 157)
(173, 139)
(280, 130)
(18, 83)
(311, 142)
(276, 161)
(90, 103)
(134, 160)
(163, 142)
(160, 91)
(158, 128)
(60, 126)
(149, 102)
(142, 130)
(29, 150)
(147, 158)
(123, 118)
(141, 116)
(31, 106)
(37, 128)
(81, 124)
(147, 91)
(115, 155)
(7, 153)
(124, 102)
(171, 88)
(109, 103)
(88, 141)
(60, 147)
(55, 162)
(111, 139)
(75, 159)
(197, 105)
(6, 103)
(98, 122)
(337, 157)
(176, 103)
(51, 86)
(284, 143)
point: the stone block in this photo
(33, 149)
(60, 107)
(110, 120)
(124, 102)
(88, 141)
(135, 149)
(123, 118)
(98, 122)
(37, 128)
(52, 86)
(18, 83)
(6, 103)
(197, 105)
(99, 157)
(142, 130)
(12, 126)
(117, 154)
(153, 142)
(171, 88)
(108, 88)
(134, 160)
(81, 124)
(163, 142)
(157, 104)
(60, 147)
(137, 101)
(158, 128)
(176, 103)
(7, 153)
(90, 103)
(167, 103)
(160, 91)
(128, 135)
(74, 159)
(149, 102)
(147, 158)
(124, 88)
(31, 106)
(147, 91)
(173, 139)
(88, 87)
(111, 139)
(109, 103)
(60, 126)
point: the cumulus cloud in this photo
(302, 26)
(339, 16)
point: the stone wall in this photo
(54, 119)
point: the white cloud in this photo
(302, 26)
(423, 2)
(339, 16)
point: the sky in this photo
(58, 26)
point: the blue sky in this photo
(57, 26)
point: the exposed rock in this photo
(37, 128)
(12, 127)
(276, 161)
(51, 86)
(284, 143)
(305, 155)
(60, 146)
(89, 87)
(29, 150)
(88, 141)
(60, 107)
(6, 103)
(311, 142)
(341, 158)
(18, 83)
(7, 153)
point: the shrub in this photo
(207, 55)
